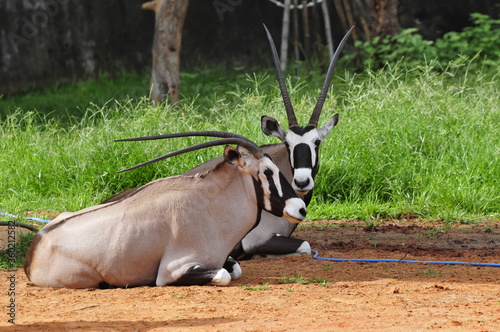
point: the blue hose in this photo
(316, 256)
(28, 218)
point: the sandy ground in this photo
(301, 293)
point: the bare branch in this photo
(150, 5)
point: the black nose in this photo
(303, 212)
(302, 184)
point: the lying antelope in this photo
(297, 157)
(173, 231)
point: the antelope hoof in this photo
(237, 272)
(304, 249)
(233, 267)
(222, 278)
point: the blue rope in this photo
(316, 256)
(28, 218)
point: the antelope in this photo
(172, 231)
(297, 157)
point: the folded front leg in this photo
(199, 274)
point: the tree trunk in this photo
(305, 31)
(384, 18)
(296, 50)
(165, 76)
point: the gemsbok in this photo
(172, 231)
(297, 157)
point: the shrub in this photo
(412, 49)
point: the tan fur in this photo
(152, 236)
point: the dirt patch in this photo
(302, 293)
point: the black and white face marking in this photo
(303, 145)
(279, 198)
(303, 148)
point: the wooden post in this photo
(284, 35)
(296, 36)
(305, 31)
(318, 45)
(384, 18)
(340, 12)
(363, 10)
(328, 29)
(165, 76)
(350, 18)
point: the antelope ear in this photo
(328, 126)
(233, 156)
(271, 127)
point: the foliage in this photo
(407, 45)
(483, 38)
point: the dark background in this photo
(47, 41)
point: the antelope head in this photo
(302, 142)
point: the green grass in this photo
(297, 279)
(261, 287)
(66, 102)
(412, 142)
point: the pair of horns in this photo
(226, 138)
(313, 121)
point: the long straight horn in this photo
(253, 148)
(292, 120)
(326, 85)
(207, 133)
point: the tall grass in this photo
(417, 143)
(409, 143)
(65, 102)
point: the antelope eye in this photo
(268, 172)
